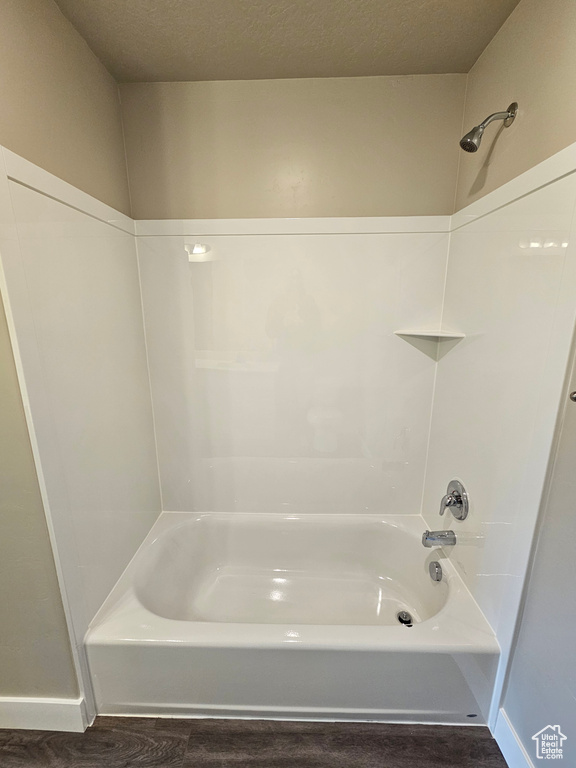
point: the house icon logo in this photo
(549, 743)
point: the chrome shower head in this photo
(471, 141)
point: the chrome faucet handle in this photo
(456, 500)
(450, 500)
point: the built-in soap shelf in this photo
(433, 335)
(434, 343)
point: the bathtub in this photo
(291, 616)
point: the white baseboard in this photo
(43, 714)
(510, 744)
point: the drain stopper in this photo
(405, 618)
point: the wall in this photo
(318, 147)
(60, 107)
(510, 287)
(35, 658)
(541, 687)
(530, 60)
(278, 383)
(369, 146)
(72, 278)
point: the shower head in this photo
(471, 141)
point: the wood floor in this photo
(164, 743)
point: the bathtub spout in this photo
(438, 538)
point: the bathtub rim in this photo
(459, 626)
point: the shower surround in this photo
(267, 381)
(276, 377)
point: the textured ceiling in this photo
(172, 40)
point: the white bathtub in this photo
(291, 616)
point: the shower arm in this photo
(497, 116)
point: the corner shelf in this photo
(433, 335)
(431, 343)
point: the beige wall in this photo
(59, 105)
(369, 146)
(319, 147)
(35, 657)
(354, 146)
(531, 60)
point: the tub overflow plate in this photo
(435, 570)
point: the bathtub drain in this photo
(404, 618)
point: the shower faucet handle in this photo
(456, 499)
(450, 500)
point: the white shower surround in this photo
(517, 511)
(91, 411)
(329, 415)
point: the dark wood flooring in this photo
(115, 742)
